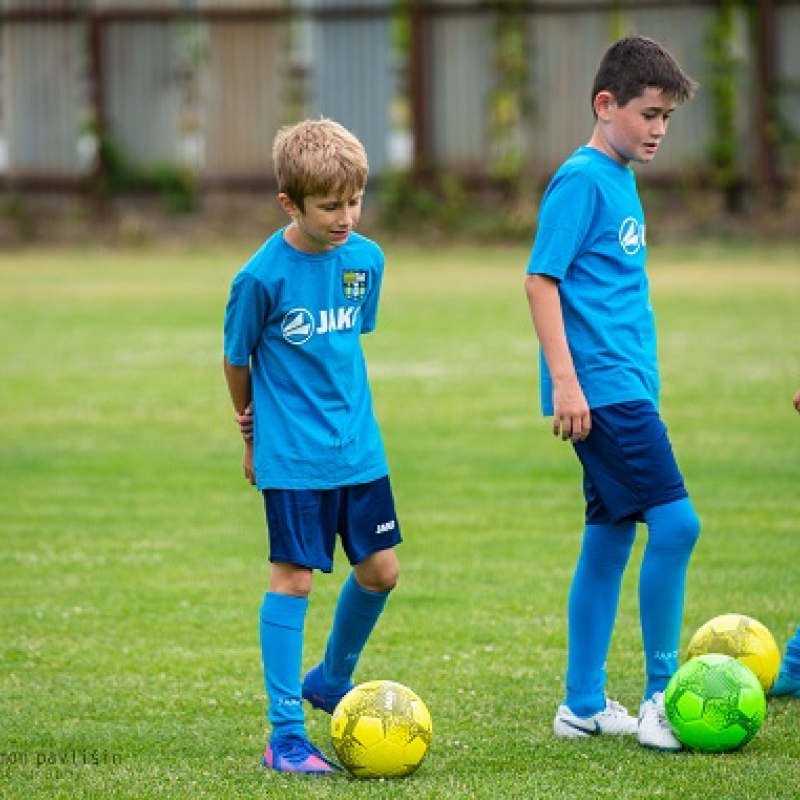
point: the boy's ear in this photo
(288, 205)
(603, 101)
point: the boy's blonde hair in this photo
(318, 157)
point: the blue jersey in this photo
(591, 239)
(296, 319)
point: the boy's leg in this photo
(630, 463)
(791, 660)
(369, 530)
(281, 630)
(301, 539)
(672, 530)
(357, 612)
(788, 683)
(282, 623)
(592, 610)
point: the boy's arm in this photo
(571, 417)
(240, 390)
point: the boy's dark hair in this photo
(636, 63)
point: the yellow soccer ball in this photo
(744, 638)
(381, 729)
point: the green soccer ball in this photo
(715, 703)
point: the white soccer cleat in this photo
(613, 720)
(654, 728)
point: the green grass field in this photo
(133, 556)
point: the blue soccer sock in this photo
(357, 611)
(592, 610)
(791, 659)
(282, 625)
(672, 531)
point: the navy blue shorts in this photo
(303, 524)
(628, 463)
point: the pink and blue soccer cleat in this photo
(315, 691)
(298, 755)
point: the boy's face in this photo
(325, 223)
(632, 132)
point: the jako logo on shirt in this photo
(632, 236)
(299, 325)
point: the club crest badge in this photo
(354, 283)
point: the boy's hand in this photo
(247, 464)
(245, 423)
(571, 417)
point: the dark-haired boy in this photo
(589, 299)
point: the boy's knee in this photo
(688, 529)
(385, 580)
(390, 579)
(380, 572)
(675, 526)
(290, 579)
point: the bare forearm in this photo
(548, 321)
(239, 385)
(571, 417)
(240, 390)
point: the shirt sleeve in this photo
(245, 315)
(369, 311)
(565, 217)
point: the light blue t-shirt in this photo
(296, 318)
(591, 239)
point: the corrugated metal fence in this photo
(203, 85)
